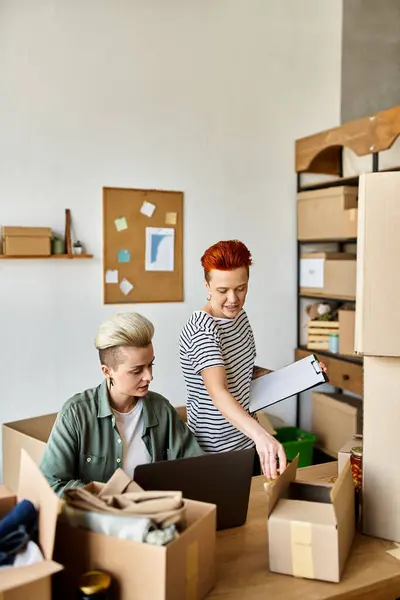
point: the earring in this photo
(111, 380)
(209, 297)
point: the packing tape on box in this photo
(353, 214)
(192, 571)
(302, 560)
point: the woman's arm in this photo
(267, 446)
(60, 457)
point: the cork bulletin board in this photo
(142, 246)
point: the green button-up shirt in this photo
(85, 444)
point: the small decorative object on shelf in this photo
(78, 248)
(94, 585)
(57, 244)
(334, 343)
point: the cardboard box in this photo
(378, 273)
(327, 214)
(323, 474)
(30, 435)
(381, 481)
(335, 419)
(347, 324)
(186, 566)
(328, 274)
(33, 581)
(26, 241)
(310, 527)
(345, 450)
(183, 569)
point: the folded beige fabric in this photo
(122, 496)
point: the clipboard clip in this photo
(315, 364)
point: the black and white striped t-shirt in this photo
(208, 342)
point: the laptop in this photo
(222, 478)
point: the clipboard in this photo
(293, 379)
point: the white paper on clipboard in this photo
(298, 377)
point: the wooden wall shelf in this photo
(52, 256)
(305, 294)
(358, 360)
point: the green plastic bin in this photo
(297, 442)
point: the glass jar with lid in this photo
(94, 585)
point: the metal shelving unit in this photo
(322, 153)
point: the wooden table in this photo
(242, 567)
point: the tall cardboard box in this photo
(327, 214)
(30, 435)
(381, 472)
(26, 241)
(310, 527)
(378, 272)
(328, 274)
(335, 419)
(32, 582)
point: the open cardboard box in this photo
(310, 527)
(30, 435)
(32, 582)
(322, 474)
(184, 569)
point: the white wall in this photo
(205, 97)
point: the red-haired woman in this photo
(217, 353)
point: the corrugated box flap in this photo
(342, 491)
(277, 488)
(16, 577)
(34, 487)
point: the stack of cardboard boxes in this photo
(378, 340)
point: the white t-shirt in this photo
(130, 427)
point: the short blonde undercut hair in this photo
(123, 329)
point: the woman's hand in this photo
(323, 367)
(270, 452)
(260, 372)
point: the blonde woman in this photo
(119, 423)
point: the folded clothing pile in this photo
(122, 509)
(18, 536)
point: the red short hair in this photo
(226, 256)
